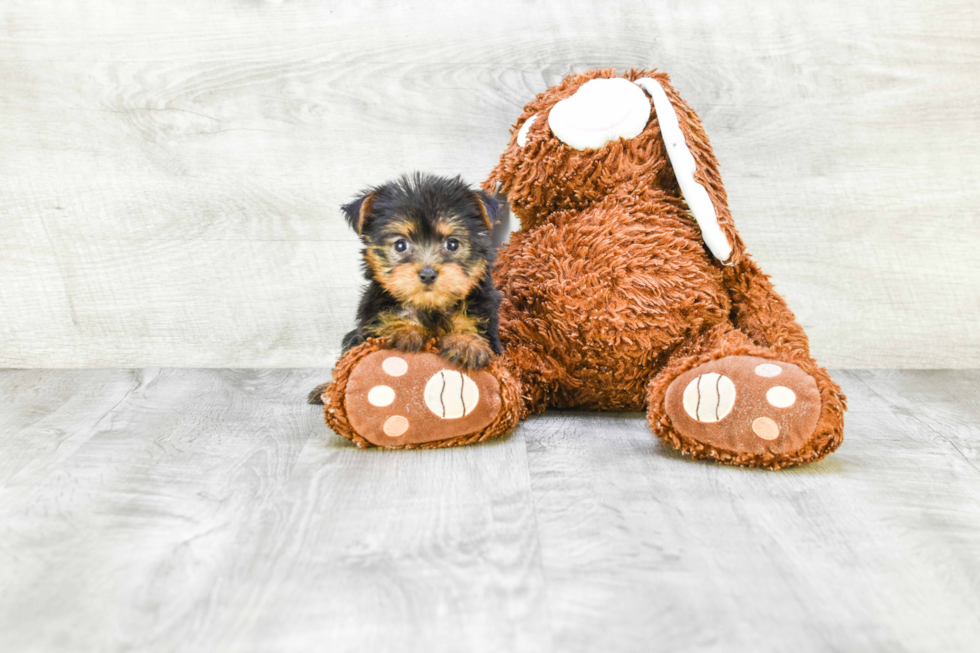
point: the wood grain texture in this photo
(211, 510)
(171, 171)
(873, 549)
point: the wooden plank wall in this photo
(170, 171)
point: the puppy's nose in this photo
(427, 275)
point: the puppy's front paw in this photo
(405, 339)
(466, 350)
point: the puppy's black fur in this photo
(428, 256)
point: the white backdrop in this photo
(170, 174)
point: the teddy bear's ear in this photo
(685, 167)
(525, 128)
(358, 211)
(488, 207)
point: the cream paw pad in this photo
(394, 399)
(745, 404)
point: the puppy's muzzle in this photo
(427, 275)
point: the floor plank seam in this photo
(919, 420)
(537, 537)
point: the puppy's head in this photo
(426, 238)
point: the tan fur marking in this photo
(450, 286)
(463, 323)
(376, 262)
(364, 212)
(403, 281)
(388, 322)
(466, 349)
(445, 229)
(465, 345)
(405, 229)
(483, 211)
(455, 281)
(400, 332)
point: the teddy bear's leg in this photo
(723, 396)
(397, 400)
(534, 372)
(760, 312)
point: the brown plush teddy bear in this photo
(627, 288)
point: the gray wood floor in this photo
(211, 510)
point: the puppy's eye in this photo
(401, 245)
(452, 244)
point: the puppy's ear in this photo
(358, 211)
(488, 207)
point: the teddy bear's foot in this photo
(394, 399)
(744, 410)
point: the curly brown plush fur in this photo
(609, 293)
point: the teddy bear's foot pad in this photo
(394, 399)
(745, 404)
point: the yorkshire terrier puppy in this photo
(427, 254)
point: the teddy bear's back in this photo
(601, 294)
